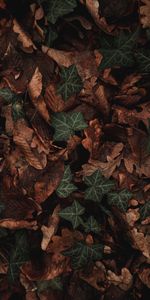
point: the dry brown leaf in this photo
(101, 100)
(49, 230)
(23, 37)
(92, 139)
(145, 13)
(132, 216)
(93, 8)
(35, 89)
(62, 58)
(106, 168)
(54, 266)
(53, 100)
(15, 224)
(124, 281)
(65, 241)
(96, 278)
(49, 181)
(2, 4)
(144, 275)
(141, 242)
(23, 136)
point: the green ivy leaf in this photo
(143, 60)
(65, 187)
(98, 186)
(51, 36)
(117, 51)
(8, 95)
(72, 214)
(82, 254)
(71, 82)
(65, 124)
(59, 8)
(17, 110)
(145, 210)
(18, 255)
(120, 199)
(91, 225)
(55, 284)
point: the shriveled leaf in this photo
(117, 51)
(59, 8)
(120, 199)
(91, 225)
(71, 82)
(65, 124)
(65, 187)
(97, 186)
(82, 254)
(18, 256)
(72, 214)
(145, 210)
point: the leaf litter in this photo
(74, 149)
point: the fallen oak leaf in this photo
(141, 242)
(124, 281)
(145, 13)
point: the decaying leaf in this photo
(145, 13)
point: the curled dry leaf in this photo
(35, 89)
(23, 37)
(22, 137)
(101, 100)
(145, 13)
(124, 281)
(49, 230)
(141, 242)
(54, 100)
(15, 224)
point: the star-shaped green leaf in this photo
(72, 214)
(82, 254)
(55, 284)
(117, 51)
(59, 8)
(71, 82)
(145, 210)
(65, 187)
(91, 225)
(98, 186)
(66, 124)
(120, 199)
